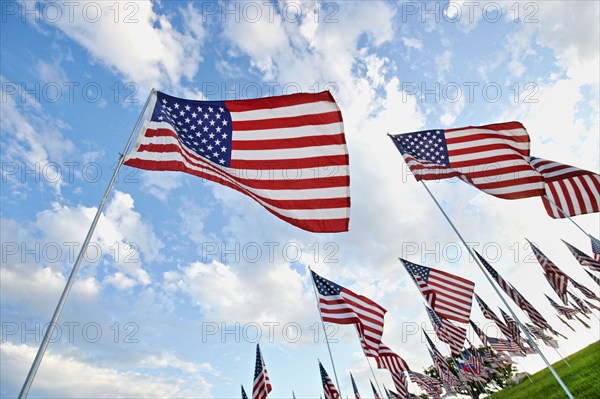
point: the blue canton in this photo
(428, 145)
(204, 127)
(326, 287)
(417, 270)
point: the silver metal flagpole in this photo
(63, 298)
(325, 332)
(531, 341)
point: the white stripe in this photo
(289, 132)
(487, 141)
(516, 133)
(284, 112)
(289, 154)
(482, 157)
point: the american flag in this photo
(556, 278)
(426, 383)
(595, 278)
(375, 393)
(575, 191)
(494, 158)
(329, 389)
(595, 248)
(566, 324)
(516, 296)
(399, 380)
(480, 333)
(580, 304)
(584, 290)
(244, 396)
(449, 295)
(288, 153)
(388, 359)
(442, 367)
(354, 388)
(513, 327)
(591, 305)
(447, 332)
(262, 383)
(490, 315)
(569, 313)
(341, 306)
(504, 345)
(583, 259)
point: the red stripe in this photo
(298, 142)
(490, 160)
(287, 122)
(303, 163)
(278, 101)
(494, 126)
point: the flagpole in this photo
(369, 363)
(554, 373)
(566, 215)
(324, 331)
(63, 298)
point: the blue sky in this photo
(184, 275)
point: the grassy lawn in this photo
(583, 379)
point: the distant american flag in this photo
(341, 306)
(556, 278)
(354, 388)
(515, 295)
(504, 345)
(375, 393)
(329, 389)
(595, 248)
(388, 359)
(595, 278)
(490, 315)
(494, 158)
(262, 383)
(244, 396)
(288, 153)
(569, 313)
(399, 380)
(580, 304)
(448, 332)
(584, 290)
(575, 191)
(426, 383)
(583, 259)
(449, 295)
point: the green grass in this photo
(583, 379)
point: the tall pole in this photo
(531, 341)
(325, 332)
(63, 298)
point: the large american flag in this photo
(449, 295)
(556, 278)
(262, 383)
(494, 158)
(516, 296)
(583, 259)
(288, 153)
(329, 389)
(575, 191)
(448, 332)
(339, 305)
(354, 388)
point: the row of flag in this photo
(448, 299)
(289, 154)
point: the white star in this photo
(187, 107)
(176, 106)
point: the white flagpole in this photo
(325, 332)
(63, 298)
(531, 341)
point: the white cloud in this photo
(412, 42)
(57, 377)
(141, 45)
